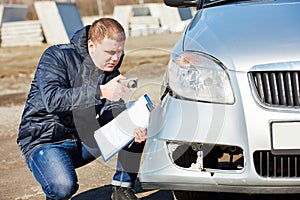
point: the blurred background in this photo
(29, 22)
(86, 7)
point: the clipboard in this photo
(119, 132)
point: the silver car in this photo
(229, 116)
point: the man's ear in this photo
(91, 46)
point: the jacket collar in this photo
(79, 40)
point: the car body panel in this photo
(219, 32)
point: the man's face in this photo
(106, 54)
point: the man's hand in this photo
(140, 135)
(113, 90)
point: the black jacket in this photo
(64, 97)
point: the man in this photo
(76, 90)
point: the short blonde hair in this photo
(106, 28)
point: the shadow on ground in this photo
(104, 193)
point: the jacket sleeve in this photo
(57, 91)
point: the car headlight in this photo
(197, 76)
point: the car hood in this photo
(246, 34)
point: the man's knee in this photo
(61, 189)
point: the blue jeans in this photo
(53, 166)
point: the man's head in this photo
(106, 40)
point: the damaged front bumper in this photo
(188, 151)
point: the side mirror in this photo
(181, 3)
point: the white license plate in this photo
(286, 135)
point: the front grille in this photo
(277, 88)
(277, 166)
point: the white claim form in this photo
(119, 132)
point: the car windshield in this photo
(213, 2)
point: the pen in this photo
(149, 103)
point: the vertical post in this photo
(100, 8)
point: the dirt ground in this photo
(146, 58)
